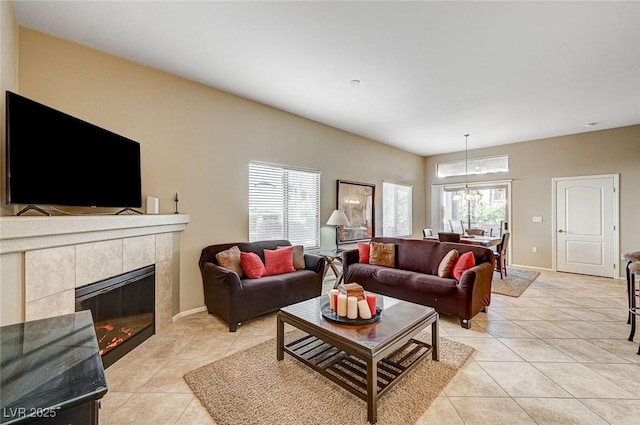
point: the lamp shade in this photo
(338, 219)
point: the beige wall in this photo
(534, 163)
(8, 78)
(10, 265)
(197, 141)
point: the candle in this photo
(371, 300)
(352, 307)
(342, 305)
(333, 299)
(363, 309)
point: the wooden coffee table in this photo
(366, 360)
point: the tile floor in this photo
(556, 355)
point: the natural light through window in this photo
(396, 209)
(284, 203)
(490, 212)
(495, 164)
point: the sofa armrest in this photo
(349, 257)
(314, 262)
(216, 277)
(479, 278)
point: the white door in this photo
(586, 213)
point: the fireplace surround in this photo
(44, 259)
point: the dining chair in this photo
(496, 231)
(629, 258)
(475, 232)
(451, 229)
(427, 232)
(448, 237)
(634, 310)
(501, 255)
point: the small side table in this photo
(332, 259)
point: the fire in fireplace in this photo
(123, 311)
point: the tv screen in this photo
(56, 159)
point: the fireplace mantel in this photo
(26, 233)
(43, 259)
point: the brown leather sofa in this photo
(236, 300)
(415, 277)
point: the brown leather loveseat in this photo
(236, 299)
(415, 276)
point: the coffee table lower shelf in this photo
(349, 371)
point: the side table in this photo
(332, 259)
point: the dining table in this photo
(486, 241)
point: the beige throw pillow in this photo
(230, 259)
(298, 256)
(382, 254)
(448, 262)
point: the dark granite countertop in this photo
(47, 366)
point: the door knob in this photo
(560, 231)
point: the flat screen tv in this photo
(56, 159)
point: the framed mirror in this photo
(356, 200)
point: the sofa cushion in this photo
(465, 261)
(298, 256)
(382, 254)
(252, 265)
(278, 261)
(364, 249)
(448, 262)
(230, 259)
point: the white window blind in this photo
(396, 209)
(284, 203)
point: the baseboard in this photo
(549, 270)
(188, 312)
(519, 266)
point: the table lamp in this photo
(338, 218)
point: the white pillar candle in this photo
(342, 305)
(332, 299)
(352, 307)
(363, 309)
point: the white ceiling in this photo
(430, 71)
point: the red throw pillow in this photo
(465, 261)
(278, 261)
(364, 248)
(252, 265)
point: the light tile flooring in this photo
(556, 355)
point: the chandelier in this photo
(466, 194)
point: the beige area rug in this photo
(252, 388)
(515, 283)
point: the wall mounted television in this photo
(56, 159)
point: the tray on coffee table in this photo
(329, 314)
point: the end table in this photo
(332, 259)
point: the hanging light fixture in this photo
(466, 193)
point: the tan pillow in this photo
(298, 256)
(448, 262)
(230, 259)
(382, 254)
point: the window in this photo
(490, 212)
(284, 203)
(396, 209)
(496, 164)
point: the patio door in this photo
(586, 217)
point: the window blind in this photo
(397, 215)
(284, 203)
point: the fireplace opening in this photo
(123, 311)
